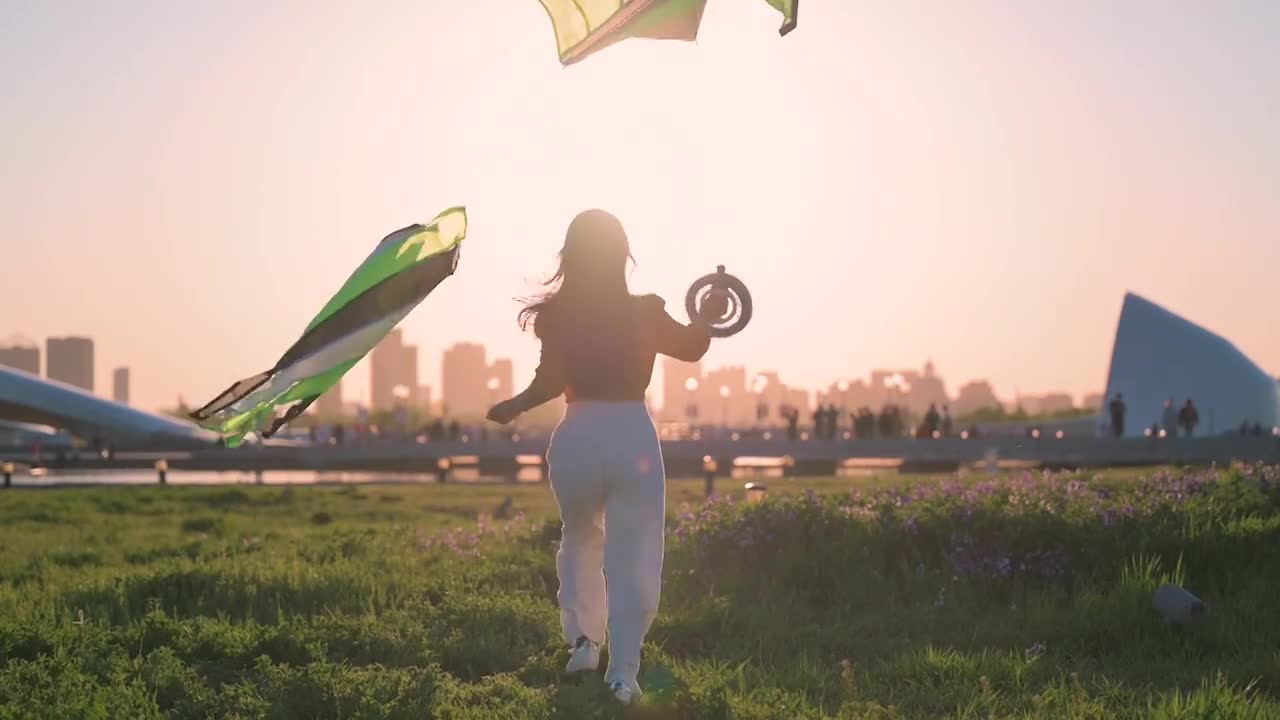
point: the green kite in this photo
(584, 27)
(402, 270)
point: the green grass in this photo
(391, 602)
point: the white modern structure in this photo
(1159, 355)
(28, 398)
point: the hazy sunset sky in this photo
(977, 183)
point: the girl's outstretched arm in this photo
(548, 383)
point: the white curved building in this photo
(31, 399)
(1159, 355)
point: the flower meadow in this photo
(1012, 596)
(1044, 531)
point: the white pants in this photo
(606, 471)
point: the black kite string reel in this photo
(738, 311)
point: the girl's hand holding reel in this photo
(720, 303)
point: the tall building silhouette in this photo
(329, 406)
(423, 400)
(915, 391)
(70, 360)
(502, 376)
(675, 393)
(799, 400)
(856, 394)
(928, 389)
(464, 375)
(723, 397)
(770, 394)
(120, 385)
(393, 373)
(21, 356)
(470, 385)
(974, 396)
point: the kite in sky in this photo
(403, 269)
(584, 27)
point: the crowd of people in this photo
(1256, 430)
(1175, 420)
(892, 421)
(435, 431)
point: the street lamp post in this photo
(758, 387)
(401, 393)
(709, 468)
(492, 386)
(843, 387)
(691, 407)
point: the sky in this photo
(974, 183)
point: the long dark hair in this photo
(592, 270)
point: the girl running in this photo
(605, 463)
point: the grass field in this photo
(1023, 596)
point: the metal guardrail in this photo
(742, 458)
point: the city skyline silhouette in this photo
(392, 375)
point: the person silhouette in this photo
(1189, 417)
(605, 467)
(793, 424)
(1117, 409)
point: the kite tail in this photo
(294, 411)
(261, 420)
(232, 395)
(235, 429)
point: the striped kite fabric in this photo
(402, 270)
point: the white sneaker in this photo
(584, 656)
(623, 692)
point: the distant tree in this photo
(996, 415)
